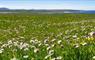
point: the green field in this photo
(47, 37)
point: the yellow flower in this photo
(90, 38)
(83, 43)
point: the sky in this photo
(49, 4)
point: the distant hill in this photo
(2, 10)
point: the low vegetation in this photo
(47, 36)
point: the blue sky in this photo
(49, 4)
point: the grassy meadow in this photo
(47, 36)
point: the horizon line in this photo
(43, 9)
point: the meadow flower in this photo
(36, 50)
(51, 52)
(14, 58)
(75, 36)
(39, 44)
(59, 58)
(23, 45)
(36, 40)
(93, 57)
(25, 56)
(32, 41)
(10, 42)
(15, 43)
(53, 45)
(46, 44)
(1, 51)
(59, 42)
(46, 57)
(4, 45)
(45, 41)
(53, 40)
(92, 34)
(90, 38)
(84, 43)
(76, 45)
(49, 47)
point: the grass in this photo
(47, 36)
